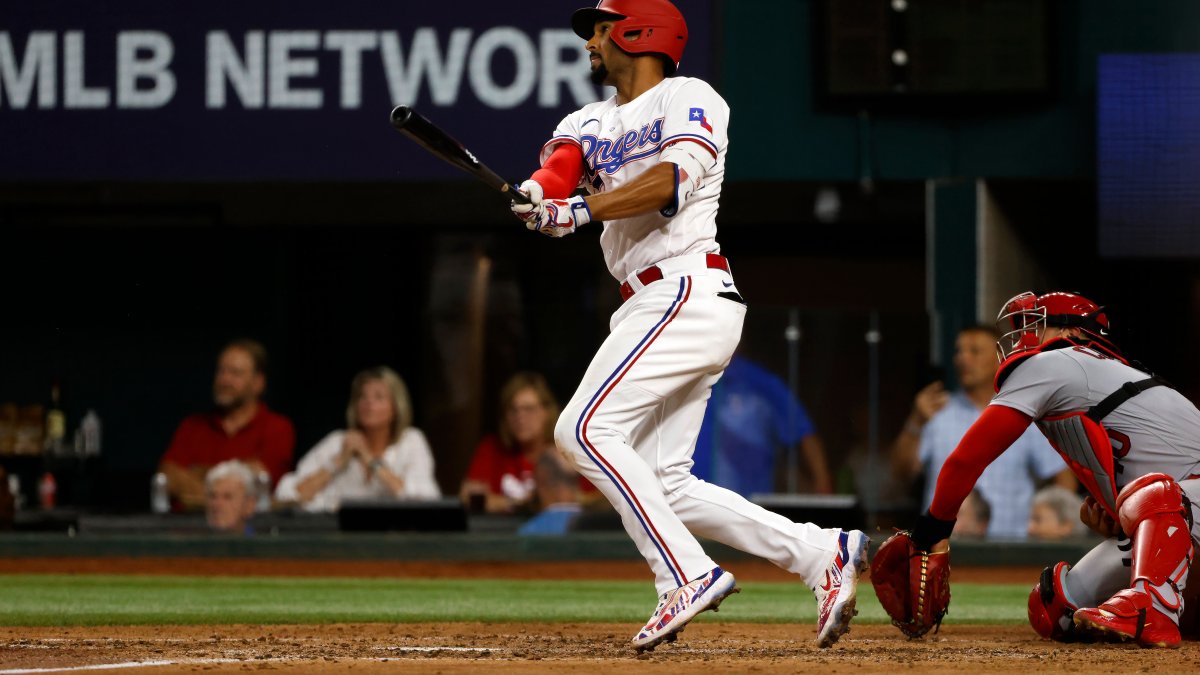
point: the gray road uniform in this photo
(1153, 431)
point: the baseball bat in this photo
(429, 136)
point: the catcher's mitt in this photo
(912, 585)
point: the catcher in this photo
(1133, 442)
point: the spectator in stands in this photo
(379, 455)
(240, 427)
(973, 517)
(940, 419)
(752, 419)
(1055, 514)
(558, 495)
(502, 472)
(231, 495)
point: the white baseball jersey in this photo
(1157, 431)
(632, 424)
(678, 115)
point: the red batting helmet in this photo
(660, 24)
(1025, 315)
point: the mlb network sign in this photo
(224, 90)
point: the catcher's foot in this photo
(1129, 615)
(836, 593)
(678, 607)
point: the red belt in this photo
(652, 273)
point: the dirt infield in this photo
(562, 648)
(535, 648)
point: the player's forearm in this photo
(995, 430)
(651, 191)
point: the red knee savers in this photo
(1148, 496)
(1049, 611)
(1153, 512)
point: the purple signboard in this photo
(218, 90)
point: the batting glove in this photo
(531, 212)
(560, 217)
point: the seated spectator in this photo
(1055, 514)
(939, 420)
(973, 517)
(241, 427)
(502, 472)
(558, 495)
(231, 495)
(379, 455)
(751, 421)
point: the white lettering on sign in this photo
(76, 93)
(502, 67)
(17, 76)
(244, 75)
(351, 44)
(573, 72)
(283, 65)
(133, 69)
(425, 61)
(484, 86)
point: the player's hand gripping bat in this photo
(426, 134)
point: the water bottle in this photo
(14, 486)
(263, 483)
(160, 500)
(89, 427)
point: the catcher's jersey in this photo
(1157, 431)
(619, 142)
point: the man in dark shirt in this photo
(241, 427)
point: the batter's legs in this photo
(714, 512)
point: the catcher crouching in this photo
(1131, 440)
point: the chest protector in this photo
(1079, 437)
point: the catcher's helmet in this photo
(661, 26)
(1025, 315)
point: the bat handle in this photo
(515, 193)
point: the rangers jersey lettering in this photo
(619, 142)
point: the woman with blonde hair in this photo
(379, 454)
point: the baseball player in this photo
(1133, 442)
(652, 159)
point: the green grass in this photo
(74, 600)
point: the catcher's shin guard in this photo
(1050, 612)
(1157, 515)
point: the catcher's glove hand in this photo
(912, 584)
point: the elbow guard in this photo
(690, 167)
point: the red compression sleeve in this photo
(996, 429)
(561, 173)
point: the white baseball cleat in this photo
(836, 593)
(676, 608)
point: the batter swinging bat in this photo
(426, 134)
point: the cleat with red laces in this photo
(678, 607)
(836, 592)
(1129, 615)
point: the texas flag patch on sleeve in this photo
(697, 115)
